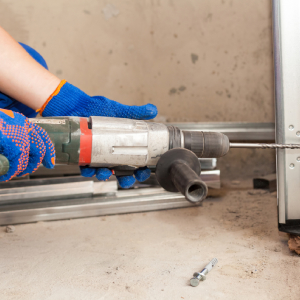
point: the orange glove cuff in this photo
(57, 90)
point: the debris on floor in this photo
(294, 243)
(10, 229)
(257, 192)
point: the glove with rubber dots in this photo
(68, 100)
(9, 103)
(24, 144)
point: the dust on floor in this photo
(153, 255)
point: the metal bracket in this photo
(286, 30)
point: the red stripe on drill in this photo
(85, 154)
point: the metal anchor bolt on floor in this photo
(201, 276)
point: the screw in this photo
(200, 276)
(292, 166)
(291, 127)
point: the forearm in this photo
(21, 77)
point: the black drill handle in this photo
(178, 170)
(188, 182)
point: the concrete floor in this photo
(153, 255)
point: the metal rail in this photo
(236, 131)
(75, 199)
(123, 202)
(52, 192)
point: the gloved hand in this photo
(24, 144)
(12, 104)
(68, 100)
(125, 182)
(74, 102)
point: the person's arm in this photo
(21, 77)
(25, 80)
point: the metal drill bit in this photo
(265, 146)
(200, 276)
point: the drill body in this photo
(123, 145)
(113, 142)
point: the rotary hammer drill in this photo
(123, 145)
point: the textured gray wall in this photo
(197, 60)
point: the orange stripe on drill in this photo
(57, 90)
(85, 154)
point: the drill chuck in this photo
(203, 144)
(206, 144)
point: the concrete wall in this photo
(197, 60)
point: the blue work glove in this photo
(125, 182)
(24, 144)
(68, 100)
(12, 104)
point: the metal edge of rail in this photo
(138, 200)
(236, 131)
(53, 202)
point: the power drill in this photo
(123, 145)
